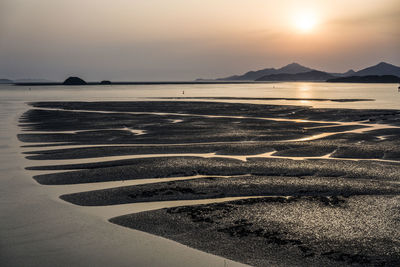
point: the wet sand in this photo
(326, 181)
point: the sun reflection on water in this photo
(304, 90)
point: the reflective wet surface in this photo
(41, 229)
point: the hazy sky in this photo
(142, 40)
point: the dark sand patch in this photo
(104, 151)
(233, 187)
(188, 166)
(293, 231)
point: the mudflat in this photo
(324, 182)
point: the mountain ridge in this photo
(291, 68)
(379, 69)
(313, 75)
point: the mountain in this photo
(6, 81)
(313, 75)
(292, 68)
(367, 79)
(349, 73)
(249, 76)
(382, 68)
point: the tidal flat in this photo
(324, 182)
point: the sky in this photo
(163, 40)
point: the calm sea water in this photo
(386, 96)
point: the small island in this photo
(74, 81)
(105, 82)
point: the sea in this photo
(384, 96)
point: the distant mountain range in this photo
(382, 72)
(380, 69)
(297, 72)
(313, 75)
(254, 75)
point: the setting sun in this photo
(305, 22)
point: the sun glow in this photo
(305, 22)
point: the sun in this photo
(305, 22)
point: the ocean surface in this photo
(38, 229)
(385, 96)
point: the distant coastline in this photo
(297, 72)
(366, 79)
(143, 83)
(185, 82)
(294, 72)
